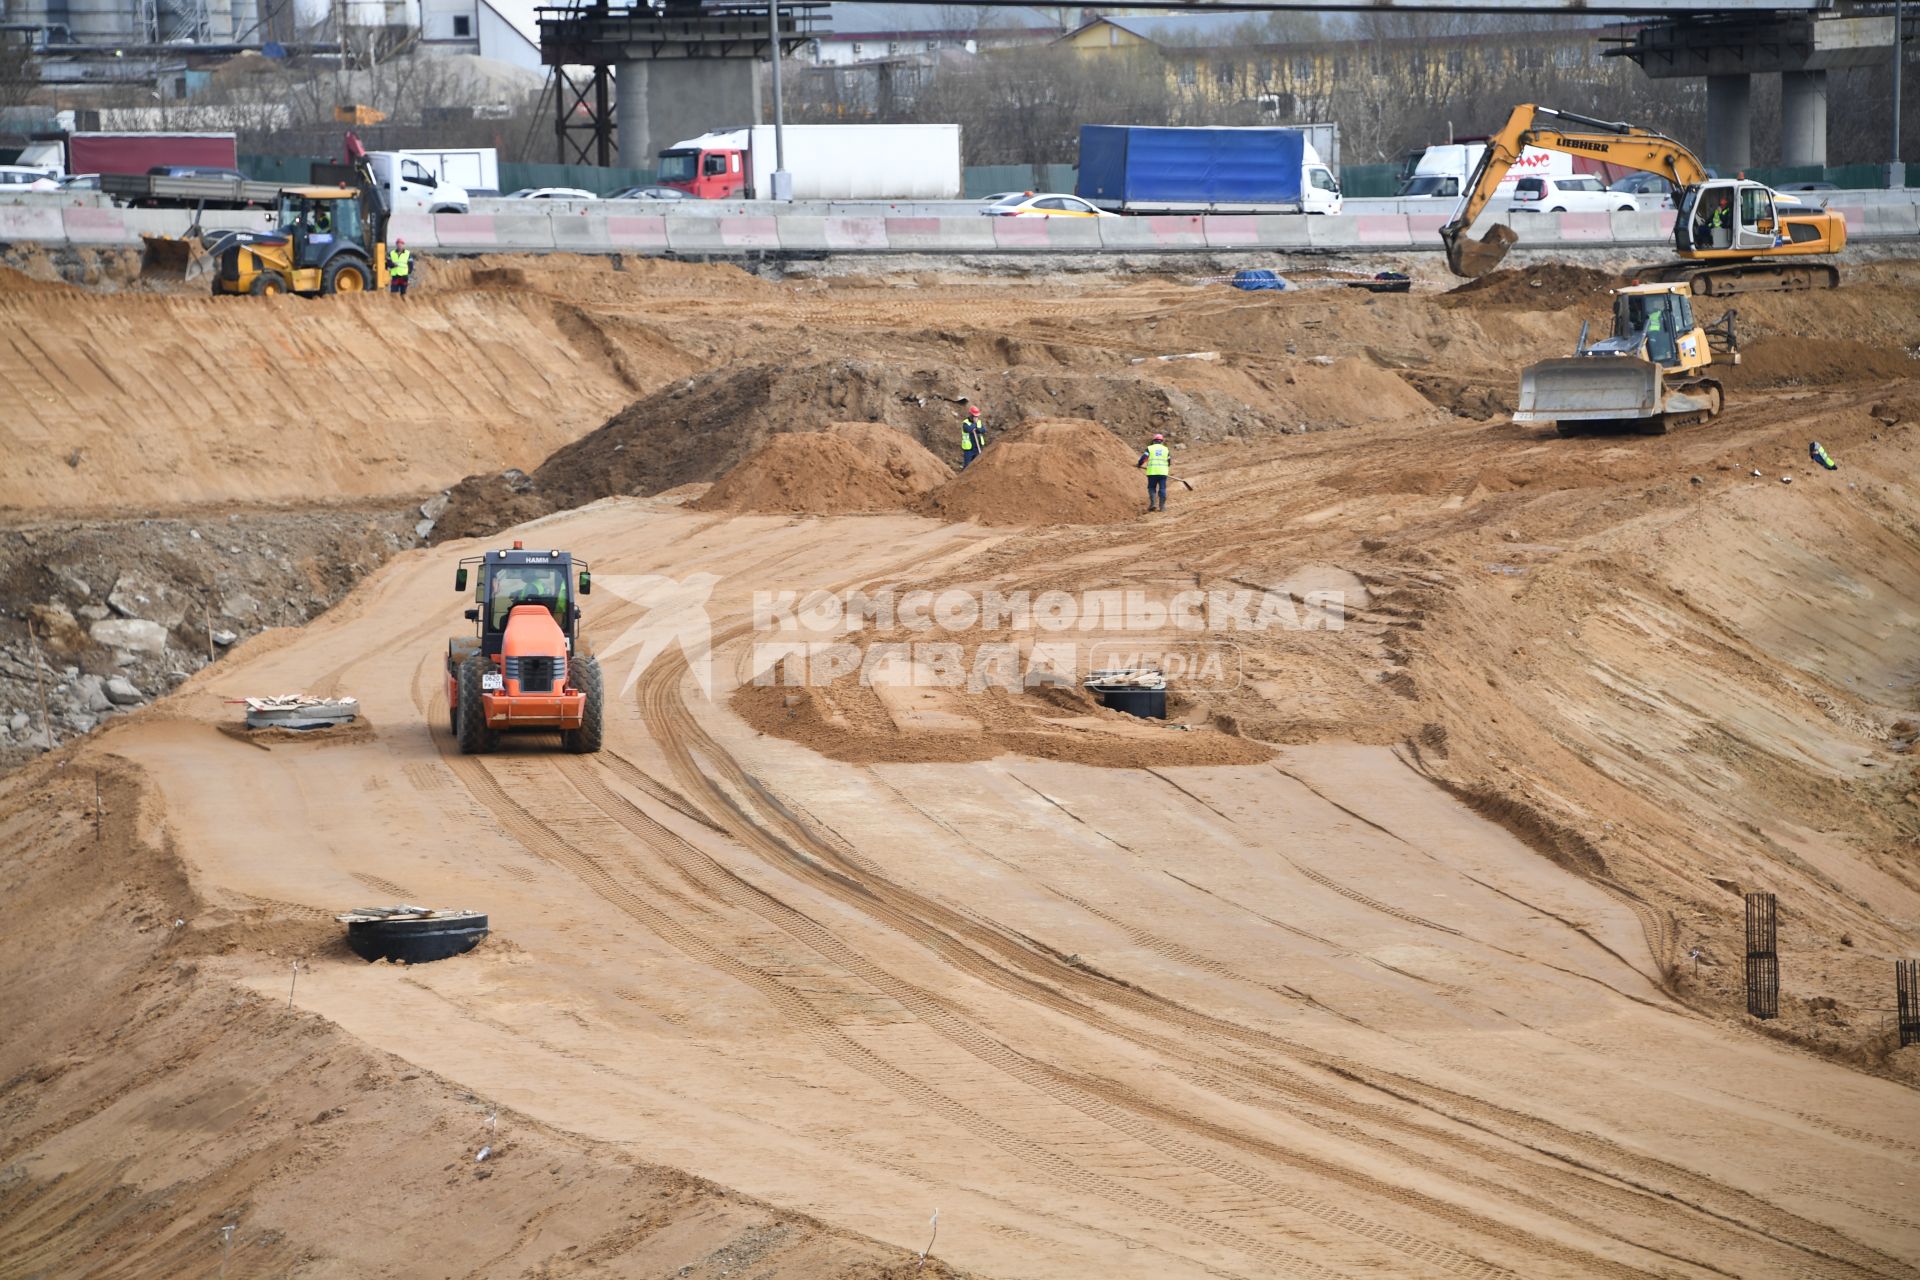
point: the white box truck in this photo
(1443, 170)
(827, 161)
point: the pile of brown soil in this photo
(1543, 288)
(698, 429)
(849, 467)
(1813, 362)
(1051, 471)
(911, 463)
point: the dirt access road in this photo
(1311, 1017)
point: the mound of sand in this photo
(849, 467)
(1797, 361)
(1543, 288)
(1049, 471)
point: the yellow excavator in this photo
(1649, 375)
(1732, 235)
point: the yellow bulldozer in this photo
(1648, 376)
(1732, 235)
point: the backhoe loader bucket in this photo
(165, 257)
(1469, 257)
(1590, 389)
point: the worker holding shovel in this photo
(1158, 461)
(973, 436)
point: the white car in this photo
(1025, 204)
(552, 193)
(33, 179)
(1581, 193)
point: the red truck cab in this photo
(705, 173)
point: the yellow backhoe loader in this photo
(1732, 235)
(1649, 375)
(326, 239)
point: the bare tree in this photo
(19, 72)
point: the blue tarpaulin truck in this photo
(1139, 169)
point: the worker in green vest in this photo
(399, 267)
(973, 436)
(1157, 460)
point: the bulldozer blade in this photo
(1469, 257)
(1591, 389)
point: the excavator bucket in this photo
(1469, 257)
(1591, 389)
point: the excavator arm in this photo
(1615, 142)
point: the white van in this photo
(413, 186)
(1443, 171)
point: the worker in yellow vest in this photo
(399, 267)
(1158, 461)
(973, 436)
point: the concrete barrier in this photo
(822, 234)
(1423, 229)
(1235, 230)
(1370, 229)
(803, 233)
(1045, 233)
(639, 234)
(156, 222)
(1153, 234)
(580, 233)
(21, 222)
(96, 227)
(1580, 228)
(915, 235)
(856, 233)
(722, 235)
(1884, 220)
(486, 231)
(546, 229)
(415, 228)
(1635, 228)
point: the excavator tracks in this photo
(1723, 281)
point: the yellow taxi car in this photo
(1026, 204)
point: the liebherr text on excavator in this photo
(1732, 235)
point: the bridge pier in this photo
(1730, 123)
(1803, 117)
(662, 101)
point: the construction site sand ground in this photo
(1412, 946)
